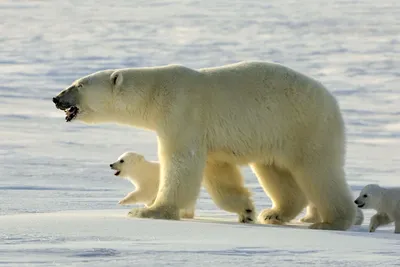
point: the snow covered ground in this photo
(58, 197)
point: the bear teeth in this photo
(71, 113)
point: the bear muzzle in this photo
(113, 168)
(358, 203)
(67, 101)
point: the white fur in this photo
(386, 201)
(285, 125)
(312, 216)
(145, 176)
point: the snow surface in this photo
(58, 198)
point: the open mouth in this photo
(117, 172)
(361, 205)
(71, 113)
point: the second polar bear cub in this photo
(145, 176)
(386, 201)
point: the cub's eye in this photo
(121, 161)
(79, 86)
(365, 196)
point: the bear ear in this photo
(116, 78)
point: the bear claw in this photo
(246, 220)
(248, 217)
(166, 213)
(270, 216)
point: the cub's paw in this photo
(248, 216)
(372, 226)
(271, 216)
(161, 212)
(123, 202)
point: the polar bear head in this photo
(126, 164)
(104, 96)
(370, 197)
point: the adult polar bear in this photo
(285, 125)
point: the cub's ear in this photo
(116, 79)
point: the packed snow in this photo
(58, 197)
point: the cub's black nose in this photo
(355, 201)
(110, 165)
(55, 100)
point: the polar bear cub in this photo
(145, 176)
(385, 201)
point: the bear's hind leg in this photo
(312, 215)
(225, 184)
(327, 190)
(187, 213)
(180, 182)
(287, 198)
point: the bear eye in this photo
(79, 86)
(365, 196)
(121, 161)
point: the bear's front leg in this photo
(187, 213)
(378, 220)
(287, 197)
(180, 182)
(133, 197)
(397, 227)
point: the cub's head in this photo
(126, 163)
(96, 98)
(369, 197)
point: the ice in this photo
(106, 237)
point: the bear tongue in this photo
(117, 173)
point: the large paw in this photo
(336, 226)
(310, 219)
(312, 215)
(187, 214)
(248, 216)
(271, 216)
(162, 212)
(321, 226)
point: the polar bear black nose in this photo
(111, 165)
(355, 201)
(55, 100)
